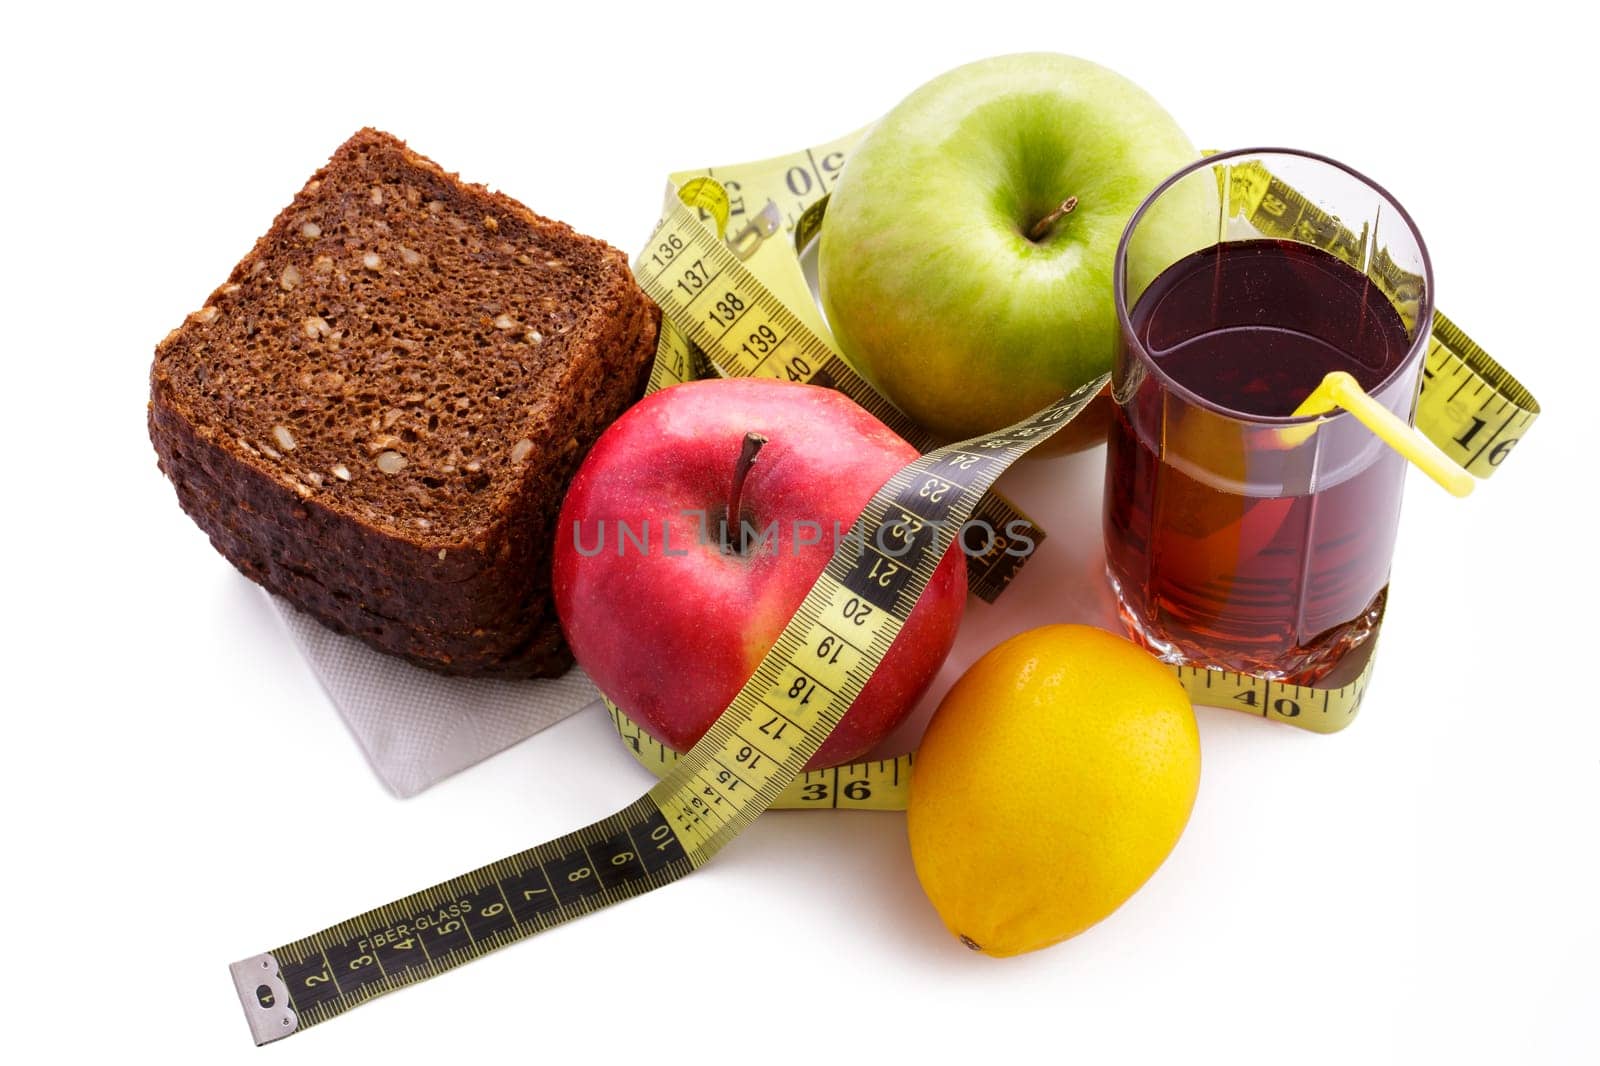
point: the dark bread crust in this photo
(462, 592)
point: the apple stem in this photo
(741, 470)
(1041, 227)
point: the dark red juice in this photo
(1254, 546)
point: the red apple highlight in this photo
(667, 621)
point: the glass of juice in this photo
(1238, 536)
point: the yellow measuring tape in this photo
(727, 283)
(1470, 405)
(735, 303)
(885, 784)
(758, 317)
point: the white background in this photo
(178, 793)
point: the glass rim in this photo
(1419, 343)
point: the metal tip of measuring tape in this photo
(769, 220)
(264, 997)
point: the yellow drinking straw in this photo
(1339, 389)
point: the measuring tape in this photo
(746, 760)
(739, 289)
(1470, 406)
(885, 784)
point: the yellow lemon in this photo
(1055, 777)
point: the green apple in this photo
(946, 270)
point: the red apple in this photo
(669, 624)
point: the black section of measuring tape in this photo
(458, 920)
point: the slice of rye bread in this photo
(377, 414)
